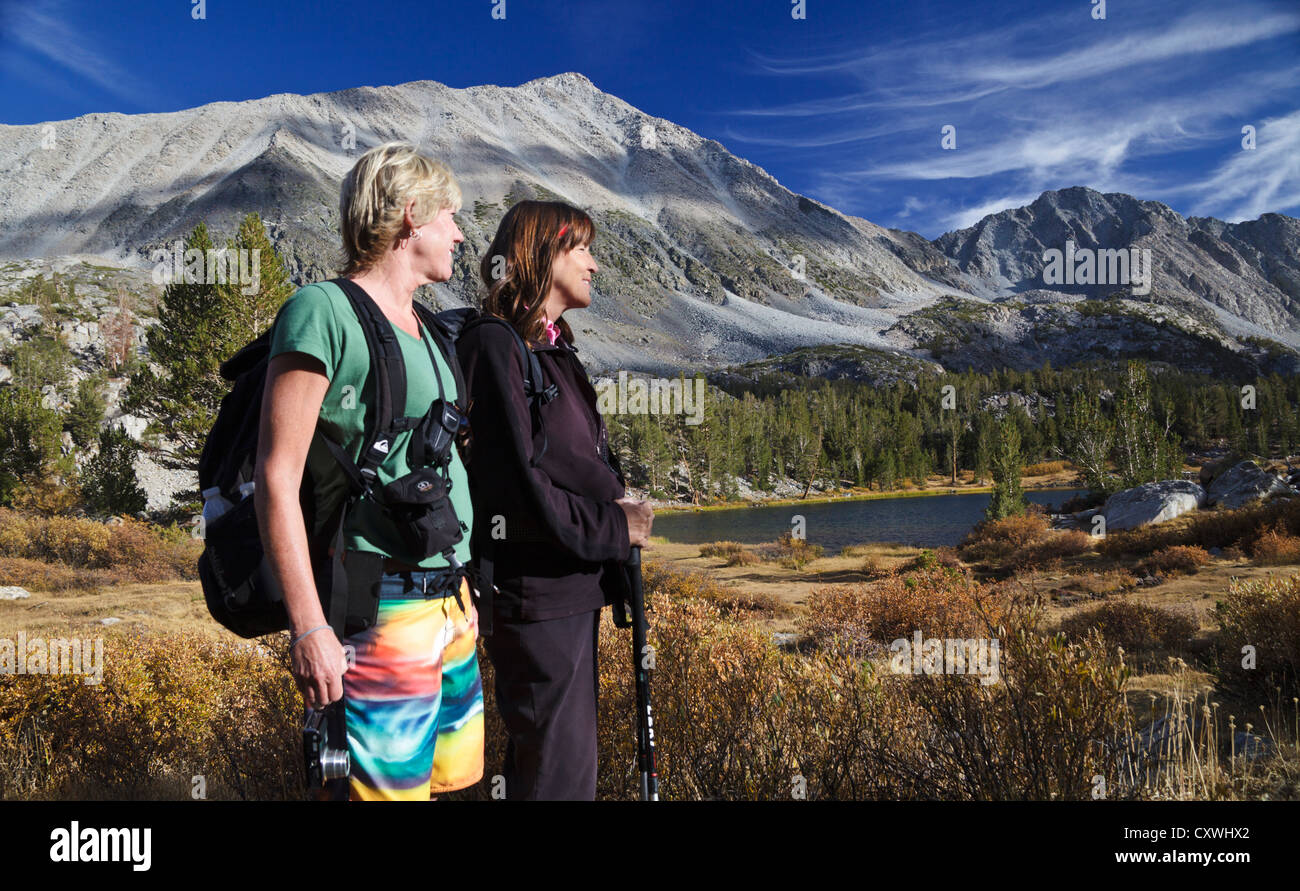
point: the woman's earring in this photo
(415, 233)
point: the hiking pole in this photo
(641, 666)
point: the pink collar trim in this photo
(552, 331)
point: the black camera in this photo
(325, 763)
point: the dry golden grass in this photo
(80, 553)
(1047, 468)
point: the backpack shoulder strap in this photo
(389, 369)
(444, 328)
(536, 391)
(534, 381)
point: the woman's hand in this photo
(640, 517)
(319, 662)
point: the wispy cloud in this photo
(45, 33)
(1256, 181)
(1048, 102)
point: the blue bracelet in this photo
(293, 643)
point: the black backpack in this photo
(455, 323)
(238, 586)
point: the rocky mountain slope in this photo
(707, 260)
(1247, 271)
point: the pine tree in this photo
(188, 345)
(109, 481)
(201, 323)
(1007, 498)
(1146, 449)
(86, 412)
(256, 310)
(1088, 436)
(29, 440)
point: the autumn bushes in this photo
(59, 553)
(1020, 542)
(1258, 646)
(863, 619)
(1265, 530)
(168, 709)
(1137, 627)
(737, 716)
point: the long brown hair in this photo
(517, 265)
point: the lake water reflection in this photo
(927, 521)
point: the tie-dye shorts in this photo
(413, 699)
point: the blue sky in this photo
(846, 104)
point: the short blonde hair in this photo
(373, 199)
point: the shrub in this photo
(719, 548)
(1099, 584)
(1263, 614)
(874, 567)
(733, 553)
(992, 540)
(678, 585)
(1175, 560)
(1045, 468)
(1055, 720)
(38, 575)
(146, 553)
(1207, 529)
(863, 618)
(1023, 541)
(75, 542)
(1051, 550)
(1136, 627)
(736, 717)
(126, 550)
(168, 708)
(19, 533)
(792, 552)
(1276, 546)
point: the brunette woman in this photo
(549, 500)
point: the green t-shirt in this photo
(319, 320)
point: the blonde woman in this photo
(412, 695)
